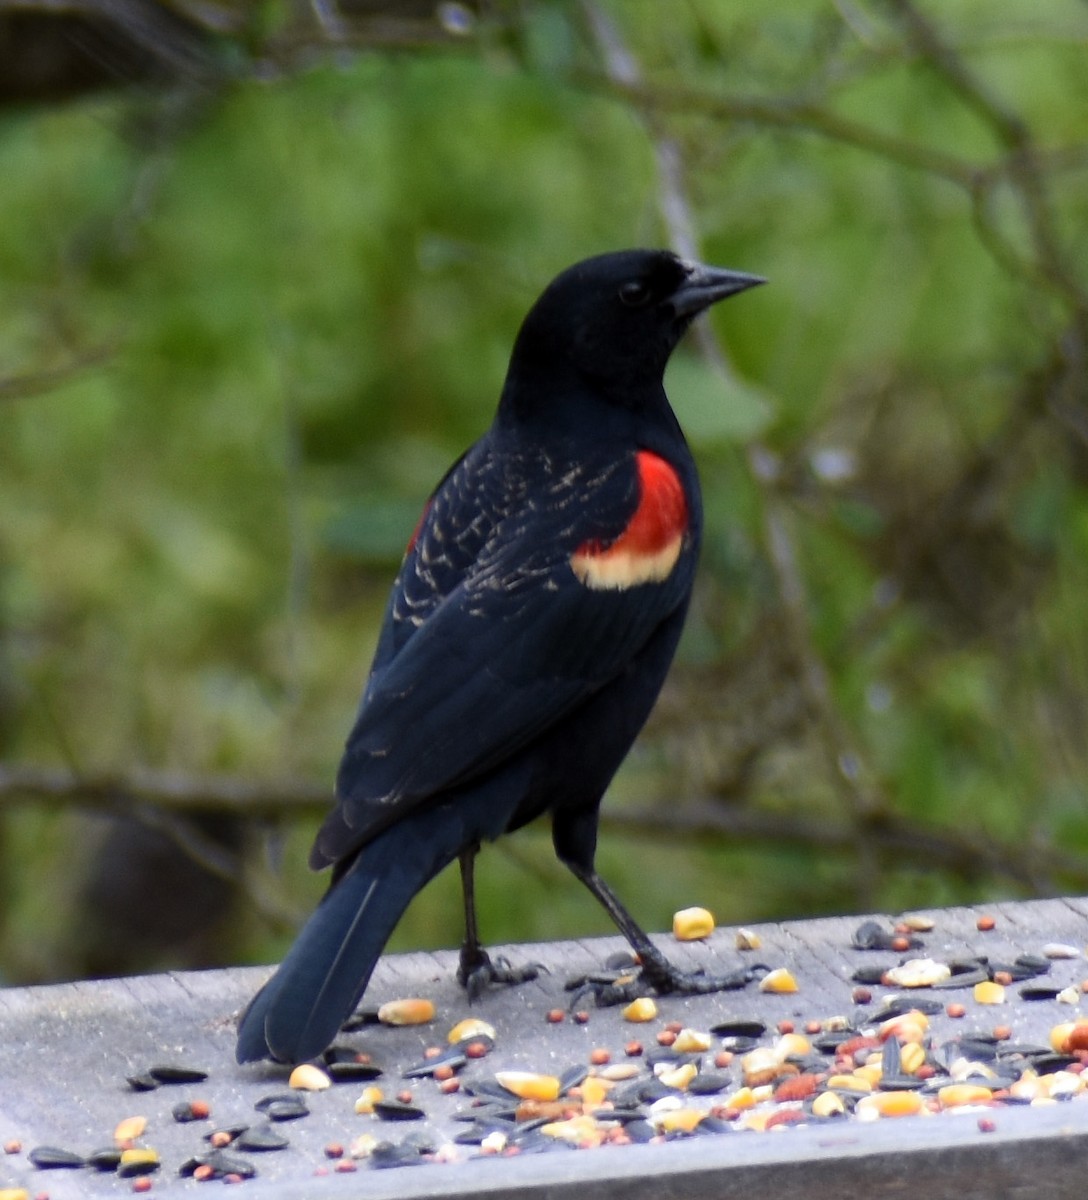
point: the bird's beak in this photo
(705, 286)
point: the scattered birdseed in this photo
(985, 923)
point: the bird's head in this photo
(615, 319)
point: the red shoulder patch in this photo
(648, 548)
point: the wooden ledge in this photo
(65, 1053)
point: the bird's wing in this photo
(548, 613)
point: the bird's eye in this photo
(635, 293)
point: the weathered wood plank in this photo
(65, 1052)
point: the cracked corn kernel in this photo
(582, 1130)
(642, 1009)
(412, 1011)
(747, 939)
(678, 1119)
(955, 1095)
(470, 1027)
(918, 972)
(367, 1099)
(129, 1129)
(891, 1104)
(828, 1104)
(691, 924)
(989, 992)
(528, 1085)
(692, 1041)
(679, 1077)
(911, 1057)
(778, 981)
(308, 1078)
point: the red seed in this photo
(448, 1086)
(476, 1050)
(955, 1009)
(674, 1026)
(142, 1183)
(200, 1109)
(363, 1057)
(233, 1177)
(598, 1056)
(785, 1026)
(986, 1125)
(442, 1073)
(633, 1049)
(1002, 1033)
(800, 1087)
(334, 1150)
(432, 1052)
(13, 1147)
(220, 1138)
(861, 995)
(1003, 977)
(813, 1027)
(985, 923)
(723, 1059)
(345, 1166)
(405, 1097)
(900, 943)
(204, 1171)
(666, 1037)
(581, 1017)
(556, 1016)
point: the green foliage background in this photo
(244, 327)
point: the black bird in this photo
(528, 633)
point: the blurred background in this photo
(261, 265)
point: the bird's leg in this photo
(476, 969)
(655, 969)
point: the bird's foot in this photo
(654, 973)
(477, 971)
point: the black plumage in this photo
(526, 638)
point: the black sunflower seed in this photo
(142, 1083)
(739, 1027)
(172, 1073)
(388, 1154)
(232, 1131)
(140, 1166)
(395, 1110)
(261, 1137)
(106, 1159)
(708, 1083)
(49, 1158)
(352, 1072)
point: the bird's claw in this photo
(659, 976)
(478, 971)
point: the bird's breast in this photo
(649, 547)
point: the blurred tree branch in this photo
(166, 799)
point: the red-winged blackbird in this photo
(526, 638)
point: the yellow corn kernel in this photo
(828, 1104)
(528, 1085)
(642, 1009)
(691, 924)
(129, 1129)
(954, 1095)
(308, 1078)
(412, 1011)
(988, 992)
(470, 1027)
(368, 1097)
(779, 981)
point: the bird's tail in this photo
(298, 1012)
